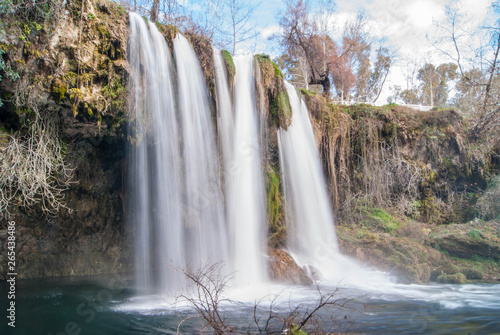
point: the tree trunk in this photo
(154, 11)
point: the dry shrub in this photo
(413, 230)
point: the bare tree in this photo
(240, 13)
(205, 295)
(302, 37)
(469, 60)
(298, 318)
(33, 167)
(155, 7)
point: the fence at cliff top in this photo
(421, 108)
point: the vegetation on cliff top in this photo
(55, 57)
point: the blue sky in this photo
(406, 25)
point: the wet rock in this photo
(282, 268)
(457, 278)
(446, 269)
(465, 246)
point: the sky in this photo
(407, 27)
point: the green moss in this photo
(103, 31)
(281, 110)
(457, 278)
(275, 215)
(388, 223)
(169, 31)
(294, 330)
(228, 60)
(277, 71)
(474, 234)
(273, 199)
(307, 92)
(261, 58)
(472, 273)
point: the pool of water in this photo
(108, 305)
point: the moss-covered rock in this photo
(76, 77)
(230, 67)
(457, 278)
(274, 93)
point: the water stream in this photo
(245, 198)
(198, 197)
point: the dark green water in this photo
(106, 305)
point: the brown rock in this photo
(282, 268)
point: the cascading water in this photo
(176, 196)
(311, 235)
(156, 195)
(204, 226)
(245, 184)
(311, 232)
(225, 119)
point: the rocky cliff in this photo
(71, 66)
(405, 185)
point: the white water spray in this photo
(155, 197)
(311, 232)
(206, 238)
(176, 195)
(243, 175)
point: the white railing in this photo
(419, 107)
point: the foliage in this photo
(273, 198)
(474, 234)
(388, 223)
(479, 74)
(206, 296)
(312, 57)
(488, 205)
(433, 86)
(34, 171)
(231, 68)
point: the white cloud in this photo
(270, 31)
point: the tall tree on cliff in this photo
(478, 66)
(315, 58)
(303, 39)
(240, 13)
(434, 87)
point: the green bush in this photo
(474, 234)
(488, 205)
(384, 219)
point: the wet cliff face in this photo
(72, 73)
(393, 174)
(404, 186)
(418, 163)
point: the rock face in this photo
(468, 246)
(76, 77)
(89, 240)
(282, 268)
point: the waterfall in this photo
(244, 179)
(311, 235)
(206, 239)
(156, 196)
(175, 193)
(225, 119)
